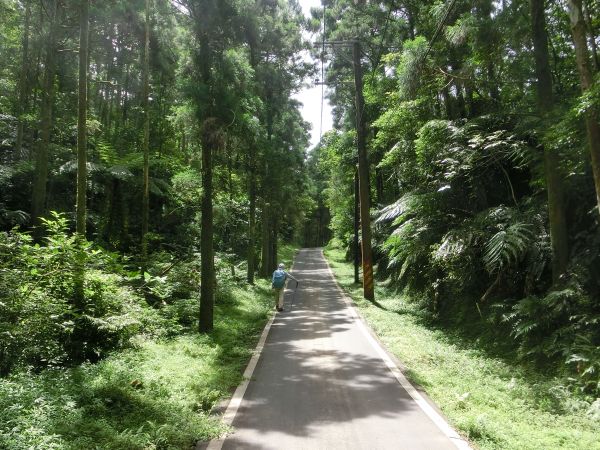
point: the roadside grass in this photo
(494, 403)
(286, 254)
(156, 395)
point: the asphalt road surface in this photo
(320, 383)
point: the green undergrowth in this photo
(496, 404)
(157, 394)
(287, 253)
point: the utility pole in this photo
(356, 249)
(363, 170)
(363, 177)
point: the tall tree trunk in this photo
(265, 241)
(379, 186)
(411, 21)
(125, 97)
(494, 91)
(471, 110)
(107, 98)
(78, 338)
(274, 242)
(585, 74)
(251, 256)
(82, 120)
(119, 94)
(252, 182)
(447, 103)
(209, 131)
(207, 268)
(267, 213)
(22, 104)
(554, 182)
(38, 205)
(146, 143)
(592, 36)
(461, 108)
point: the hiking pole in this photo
(294, 295)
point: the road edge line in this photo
(240, 391)
(419, 399)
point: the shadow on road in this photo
(320, 384)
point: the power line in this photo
(350, 42)
(438, 29)
(346, 43)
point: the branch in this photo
(454, 76)
(110, 83)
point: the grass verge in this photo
(496, 404)
(156, 395)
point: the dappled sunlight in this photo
(319, 380)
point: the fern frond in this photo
(454, 244)
(507, 247)
(403, 228)
(120, 172)
(392, 212)
(108, 154)
(524, 328)
(408, 263)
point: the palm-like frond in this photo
(108, 154)
(397, 209)
(12, 218)
(508, 246)
(455, 243)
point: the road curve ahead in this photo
(320, 382)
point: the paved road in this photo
(320, 383)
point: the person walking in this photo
(278, 283)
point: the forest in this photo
(155, 167)
(485, 184)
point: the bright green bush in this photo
(469, 238)
(38, 312)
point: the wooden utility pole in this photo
(363, 169)
(363, 177)
(356, 249)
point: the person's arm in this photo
(290, 275)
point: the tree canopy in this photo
(479, 144)
(154, 159)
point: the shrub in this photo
(41, 324)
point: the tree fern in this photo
(508, 246)
(455, 243)
(107, 153)
(397, 209)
